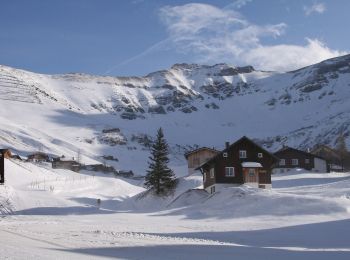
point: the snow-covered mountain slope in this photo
(195, 104)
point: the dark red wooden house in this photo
(243, 162)
(290, 158)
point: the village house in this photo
(197, 157)
(38, 157)
(243, 162)
(64, 163)
(4, 154)
(331, 155)
(290, 158)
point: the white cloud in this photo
(319, 8)
(288, 57)
(210, 35)
(239, 3)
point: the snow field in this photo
(305, 216)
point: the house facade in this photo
(331, 155)
(290, 158)
(243, 162)
(199, 156)
(38, 157)
(62, 163)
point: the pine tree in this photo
(159, 177)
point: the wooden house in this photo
(197, 157)
(63, 163)
(290, 158)
(4, 154)
(331, 155)
(243, 162)
(38, 157)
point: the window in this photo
(307, 161)
(224, 155)
(260, 155)
(282, 162)
(211, 172)
(251, 172)
(229, 171)
(295, 162)
(242, 154)
(204, 177)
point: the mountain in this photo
(113, 119)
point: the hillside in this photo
(195, 104)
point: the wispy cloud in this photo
(154, 48)
(211, 34)
(239, 3)
(319, 8)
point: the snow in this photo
(55, 215)
(251, 165)
(61, 114)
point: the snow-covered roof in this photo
(251, 165)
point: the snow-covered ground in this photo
(54, 215)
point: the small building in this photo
(4, 154)
(331, 155)
(199, 156)
(38, 157)
(290, 158)
(243, 162)
(63, 163)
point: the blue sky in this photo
(120, 37)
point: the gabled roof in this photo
(199, 149)
(326, 148)
(286, 148)
(244, 138)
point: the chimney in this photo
(227, 144)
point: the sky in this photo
(136, 37)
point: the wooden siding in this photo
(289, 154)
(197, 158)
(232, 160)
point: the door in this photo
(251, 175)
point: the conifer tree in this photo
(159, 177)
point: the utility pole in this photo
(2, 167)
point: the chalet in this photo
(199, 156)
(63, 163)
(331, 155)
(4, 154)
(290, 158)
(38, 157)
(243, 162)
